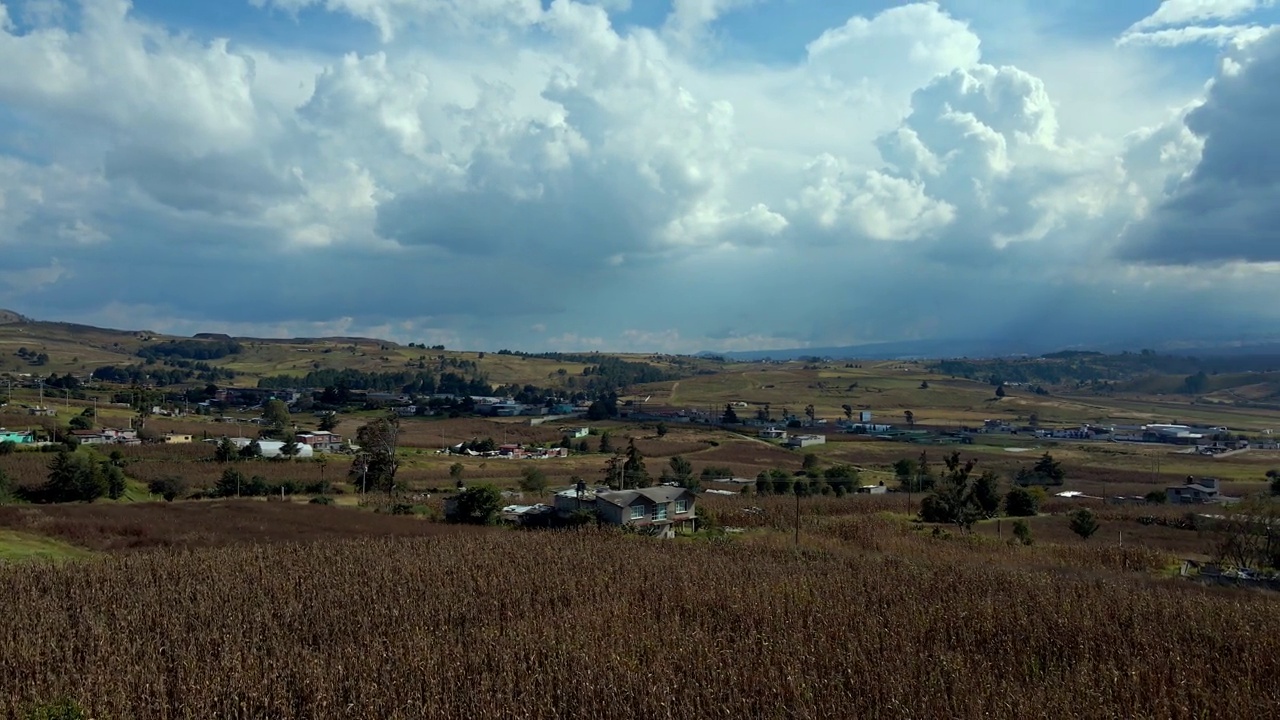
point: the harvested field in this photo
(203, 524)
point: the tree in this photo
(290, 448)
(477, 505)
(1274, 477)
(7, 488)
(533, 479)
(455, 472)
(170, 488)
(910, 417)
(606, 442)
(953, 499)
(924, 384)
(682, 473)
(1000, 390)
(114, 479)
(1250, 534)
(329, 422)
(8, 447)
(80, 422)
(811, 412)
(810, 462)
(730, 417)
(276, 413)
(74, 477)
(1049, 468)
(378, 441)
(251, 451)
(662, 429)
(634, 474)
(848, 412)
(226, 451)
(905, 471)
(1021, 502)
(1195, 384)
(1083, 523)
(229, 483)
(842, 478)
(986, 494)
(1034, 420)
(764, 485)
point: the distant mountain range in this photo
(990, 348)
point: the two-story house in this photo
(1203, 490)
(663, 510)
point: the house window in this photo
(659, 512)
(637, 512)
(682, 506)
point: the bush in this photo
(64, 709)
(169, 488)
(321, 500)
(1021, 502)
(401, 509)
(1022, 531)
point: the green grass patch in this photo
(22, 547)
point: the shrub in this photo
(1022, 531)
(169, 488)
(1021, 502)
(321, 500)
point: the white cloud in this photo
(1181, 12)
(1213, 35)
(493, 167)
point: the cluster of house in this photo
(117, 436)
(662, 511)
(512, 451)
(789, 440)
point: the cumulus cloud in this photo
(515, 173)
(1225, 209)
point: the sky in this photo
(645, 175)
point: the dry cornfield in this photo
(602, 625)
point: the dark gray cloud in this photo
(1228, 208)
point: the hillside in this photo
(36, 348)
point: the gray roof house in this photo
(656, 510)
(1203, 490)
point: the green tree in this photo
(329, 422)
(229, 483)
(276, 413)
(80, 422)
(290, 448)
(924, 384)
(842, 478)
(1083, 523)
(910, 417)
(811, 412)
(682, 473)
(1021, 502)
(225, 452)
(1195, 384)
(251, 451)
(634, 474)
(764, 484)
(782, 483)
(478, 505)
(953, 499)
(606, 442)
(1274, 477)
(113, 477)
(170, 488)
(986, 494)
(662, 429)
(810, 462)
(848, 412)
(1000, 391)
(455, 471)
(8, 447)
(905, 472)
(533, 479)
(730, 417)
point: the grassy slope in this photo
(20, 546)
